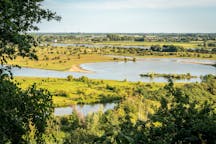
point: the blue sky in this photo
(132, 16)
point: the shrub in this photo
(70, 78)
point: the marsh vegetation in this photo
(169, 76)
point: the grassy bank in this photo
(59, 62)
(86, 91)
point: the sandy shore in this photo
(199, 62)
(77, 68)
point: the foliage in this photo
(84, 90)
(69, 77)
(139, 117)
(183, 121)
(169, 76)
(23, 112)
(172, 48)
(16, 19)
(178, 119)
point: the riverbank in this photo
(64, 58)
(61, 62)
(199, 61)
(209, 61)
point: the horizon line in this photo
(130, 32)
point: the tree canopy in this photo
(23, 113)
(17, 17)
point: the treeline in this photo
(153, 50)
(148, 37)
(173, 48)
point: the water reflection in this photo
(84, 109)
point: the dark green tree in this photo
(182, 120)
(21, 111)
(156, 48)
(18, 17)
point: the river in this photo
(130, 70)
(84, 109)
(124, 70)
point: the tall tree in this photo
(17, 17)
(21, 111)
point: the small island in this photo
(169, 76)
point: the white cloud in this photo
(133, 4)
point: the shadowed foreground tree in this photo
(177, 121)
(17, 17)
(23, 113)
(182, 120)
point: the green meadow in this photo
(83, 90)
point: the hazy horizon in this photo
(131, 16)
(38, 32)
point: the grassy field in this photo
(59, 58)
(88, 91)
(83, 90)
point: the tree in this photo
(70, 78)
(156, 48)
(21, 111)
(16, 19)
(182, 121)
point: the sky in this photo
(132, 16)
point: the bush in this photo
(62, 93)
(70, 78)
(83, 79)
